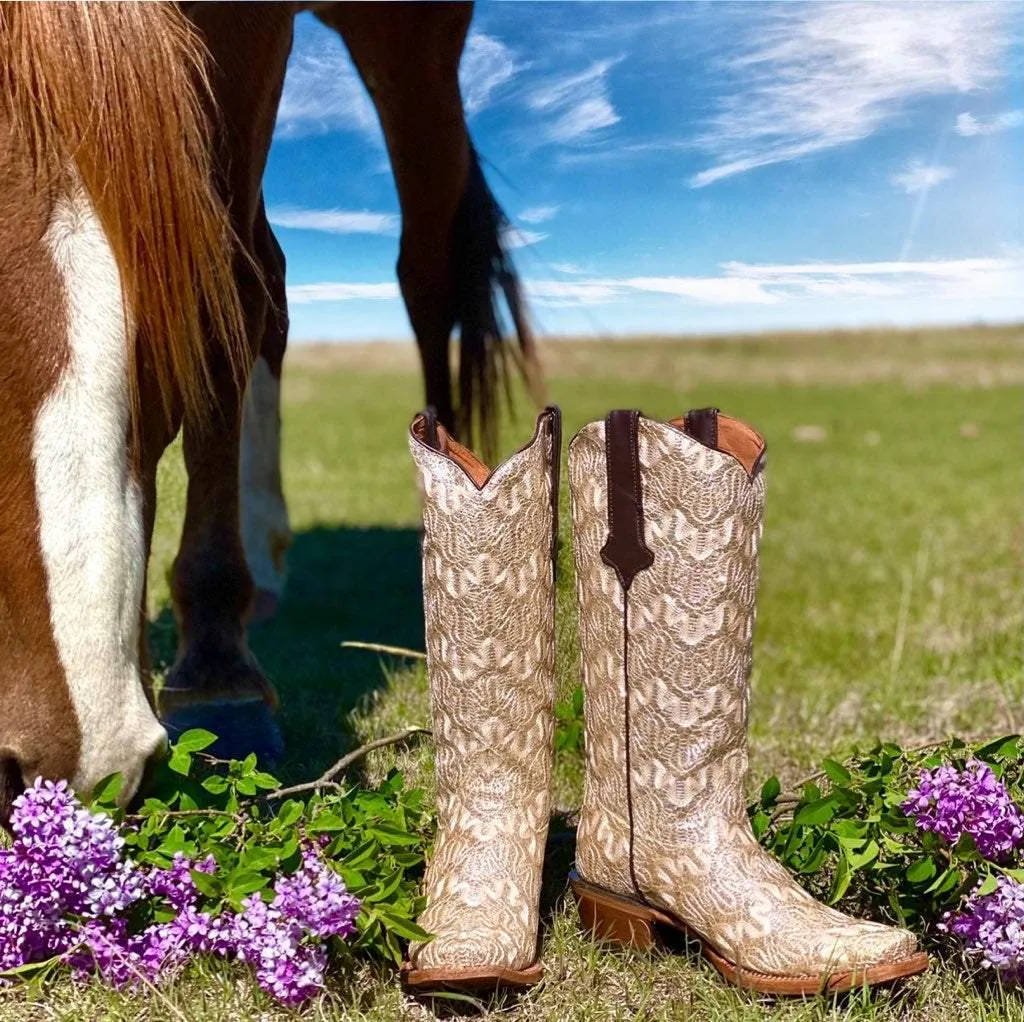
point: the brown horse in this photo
(116, 283)
(127, 310)
(451, 260)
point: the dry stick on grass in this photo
(376, 647)
(326, 779)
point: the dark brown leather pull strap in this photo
(702, 425)
(625, 549)
(554, 414)
(430, 427)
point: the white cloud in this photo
(334, 221)
(727, 290)
(737, 283)
(573, 269)
(571, 293)
(577, 106)
(538, 214)
(487, 64)
(968, 125)
(337, 291)
(323, 93)
(819, 75)
(921, 177)
(515, 238)
(773, 284)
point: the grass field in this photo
(892, 604)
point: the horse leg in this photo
(451, 255)
(215, 682)
(266, 535)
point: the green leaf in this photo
(326, 822)
(922, 870)
(245, 881)
(215, 784)
(289, 813)
(841, 883)
(1000, 748)
(206, 884)
(858, 860)
(815, 813)
(403, 927)
(180, 762)
(393, 836)
(989, 884)
(107, 790)
(836, 772)
(770, 791)
(195, 740)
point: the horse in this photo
(142, 293)
(451, 263)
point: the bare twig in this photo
(327, 778)
(376, 647)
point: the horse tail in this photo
(113, 98)
(483, 269)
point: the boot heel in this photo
(614, 919)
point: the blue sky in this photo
(688, 168)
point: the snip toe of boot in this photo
(876, 945)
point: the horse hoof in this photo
(220, 687)
(264, 607)
(241, 728)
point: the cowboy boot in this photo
(666, 524)
(488, 589)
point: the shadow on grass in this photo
(343, 584)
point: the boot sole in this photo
(483, 980)
(621, 920)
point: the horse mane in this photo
(118, 94)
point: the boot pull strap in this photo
(625, 549)
(554, 414)
(430, 427)
(702, 425)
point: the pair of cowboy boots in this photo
(666, 521)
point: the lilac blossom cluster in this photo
(66, 888)
(951, 803)
(991, 927)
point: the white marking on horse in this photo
(265, 531)
(90, 508)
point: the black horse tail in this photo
(482, 268)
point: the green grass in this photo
(892, 605)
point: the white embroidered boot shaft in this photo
(488, 588)
(666, 523)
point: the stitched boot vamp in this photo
(723, 885)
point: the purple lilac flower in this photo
(951, 803)
(316, 897)
(65, 886)
(991, 927)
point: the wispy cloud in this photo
(739, 283)
(577, 106)
(921, 177)
(514, 238)
(339, 291)
(334, 221)
(814, 76)
(538, 214)
(968, 125)
(323, 93)
(487, 65)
